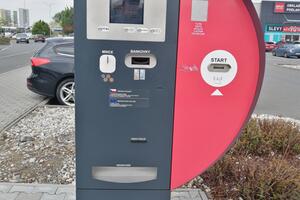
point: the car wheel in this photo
(65, 92)
(273, 53)
(286, 55)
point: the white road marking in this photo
(21, 67)
(28, 52)
(5, 48)
(297, 67)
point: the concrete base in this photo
(123, 194)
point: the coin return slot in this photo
(124, 174)
(140, 60)
(223, 68)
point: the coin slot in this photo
(223, 68)
(140, 61)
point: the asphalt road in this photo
(281, 89)
(280, 93)
(17, 55)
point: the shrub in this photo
(264, 164)
(265, 137)
(270, 179)
(254, 178)
(282, 136)
(4, 41)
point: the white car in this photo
(8, 34)
(22, 37)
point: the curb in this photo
(276, 117)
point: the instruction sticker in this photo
(129, 98)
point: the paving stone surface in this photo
(8, 196)
(11, 191)
(53, 197)
(26, 196)
(5, 188)
(15, 98)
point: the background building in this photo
(280, 19)
(8, 16)
(23, 18)
(15, 19)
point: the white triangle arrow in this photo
(217, 93)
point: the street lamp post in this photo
(50, 9)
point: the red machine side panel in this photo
(209, 118)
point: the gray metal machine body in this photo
(125, 82)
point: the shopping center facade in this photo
(280, 19)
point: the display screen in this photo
(127, 11)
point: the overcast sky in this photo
(38, 9)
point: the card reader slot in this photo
(223, 68)
(124, 174)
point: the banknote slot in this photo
(140, 60)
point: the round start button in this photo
(219, 68)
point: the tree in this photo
(3, 22)
(41, 27)
(66, 20)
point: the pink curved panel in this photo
(205, 126)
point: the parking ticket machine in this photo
(163, 89)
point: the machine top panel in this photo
(128, 20)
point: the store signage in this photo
(282, 28)
(274, 28)
(292, 8)
(287, 7)
(279, 7)
(291, 29)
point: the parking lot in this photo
(280, 93)
(17, 55)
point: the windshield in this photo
(21, 35)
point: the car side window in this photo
(65, 50)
